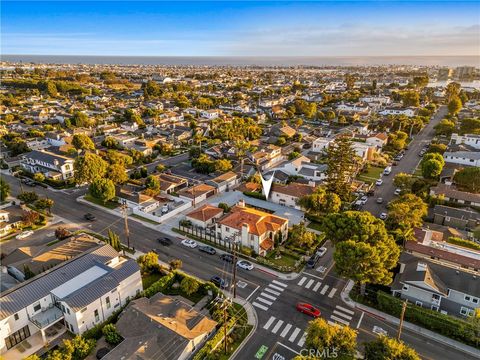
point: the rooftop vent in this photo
(421, 266)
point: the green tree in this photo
(420, 81)
(431, 169)
(116, 157)
(89, 167)
(4, 189)
(114, 240)
(300, 237)
(468, 179)
(102, 189)
(39, 177)
(223, 165)
(28, 197)
(175, 264)
(80, 119)
(437, 148)
(470, 126)
(203, 164)
(397, 140)
(44, 203)
(342, 165)
(82, 142)
(117, 173)
(152, 183)
(454, 105)
(148, 262)
(110, 142)
(321, 202)
(410, 98)
(406, 211)
(78, 348)
(388, 348)
(404, 181)
(189, 285)
(17, 146)
(324, 337)
(452, 90)
(111, 335)
(445, 127)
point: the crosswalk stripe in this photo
(272, 291)
(334, 290)
(302, 340)
(348, 317)
(277, 326)
(302, 280)
(333, 323)
(269, 322)
(324, 290)
(264, 301)
(279, 283)
(339, 320)
(275, 287)
(260, 306)
(294, 335)
(317, 285)
(348, 311)
(265, 295)
(310, 283)
(286, 330)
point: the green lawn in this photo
(108, 204)
(148, 280)
(145, 219)
(285, 260)
(195, 297)
(371, 175)
(315, 226)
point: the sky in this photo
(230, 28)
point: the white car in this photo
(379, 331)
(383, 216)
(189, 243)
(397, 191)
(379, 182)
(244, 264)
(24, 234)
(322, 251)
(364, 199)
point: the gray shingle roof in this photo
(47, 157)
(31, 291)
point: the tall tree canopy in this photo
(89, 167)
(342, 165)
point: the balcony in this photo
(47, 317)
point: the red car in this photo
(308, 309)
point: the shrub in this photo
(111, 335)
(189, 285)
(160, 285)
(254, 194)
(462, 242)
(175, 264)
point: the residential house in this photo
(464, 219)
(76, 295)
(38, 144)
(161, 327)
(321, 144)
(363, 150)
(469, 158)
(224, 182)
(409, 112)
(280, 130)
(450, 193)
(197, 193)
(302, 166)
(210, 114)
(437, 287)
(267, 157)
(379, 140)
(468, 139)
(170, 183)
(288, 195)
(254, 229)
(53, 166)
(10, 219)
(204, 216)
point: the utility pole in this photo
(234, 270)
(125, 216)
(404, 307)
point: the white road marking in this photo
(260, 306)
(268, 296)
(302, 340)
(277, 326)
(310, 283)
(302, 280)
(272, 291)
(348, 317)
(288, 348)
(348, 311)
(275, 287)
(334, 290)
(339, 320)
(279, 283)
(264, 301)
(333, 323)
(241, 284)
(360, 320)
(269, 322)
(286, 330)
(294, 335)
(324, 290)
(251, 294)
(317, 285)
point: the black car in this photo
(313, 261)
(29, 182)
(89, 217)
(218, 281)
(227, 257)
(207, 249)
(165, 241)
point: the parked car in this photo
(207, 249)
(371, 192)
(322, 251)
(227, 258)
(364, 199)
(189, 243)
(89, 217)
(387, 171)
(397, 191)
(395, 162)
(379, 182)
(244, 264)
(313, 261)
(383, 216)
(379, 200)
(422, 152)
(379, 331)
(29, 182)
(218, 281)
(308, 309)
(165, 241)
(24, 234)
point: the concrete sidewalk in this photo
(252, 319)
(345, 295)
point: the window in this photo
(97, 318)
(107, 300)
(36, 307)
(466, 311)
(16, 317)
(405, 287)
(68, 311)
(418, 303)
(468, 298)
(433, 307)
(17, 337)
(435, 297)
(475, 300)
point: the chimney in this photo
(241, 203)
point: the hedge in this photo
(255, 194)
(462, 242)
(160, 285)
(210, 344)
(96, 331)
(446, 325)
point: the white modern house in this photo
(467, 139)
(209, 114)
(468, 158)
(75, 295)
(397, 111)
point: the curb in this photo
(345, 296)
(247, 307)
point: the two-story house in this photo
(53, 166)
(467, 139)
(468, 158)
(288, 195)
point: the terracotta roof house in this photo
(253, 228)
(197, 193)
(288, 195)
(205, 215)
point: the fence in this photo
(206, 235)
